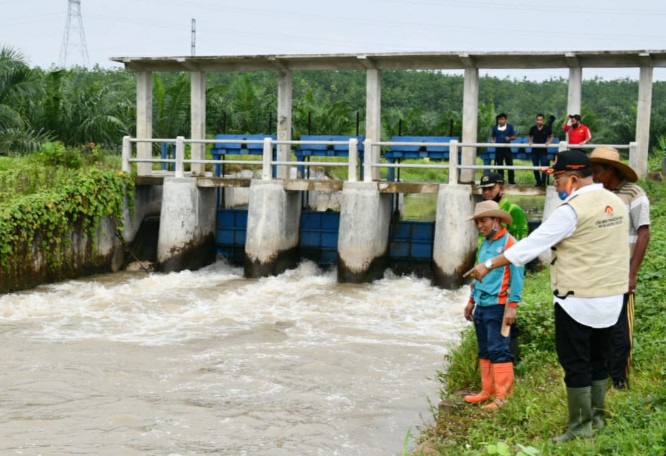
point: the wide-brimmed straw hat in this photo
(610, 156)
(490, 209)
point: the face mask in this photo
(492, 233)
(564, 194)
(497, 198)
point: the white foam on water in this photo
(292, 364)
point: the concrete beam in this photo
(144, 119)
(639, 159)
(198, 119)
(373, 113)
(575, 90)
(470, 122)
(285, 103)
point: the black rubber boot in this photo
(579, 402)
(598, 393)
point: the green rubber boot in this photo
(579, 401)
(599, 388)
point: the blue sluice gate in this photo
(318, 237)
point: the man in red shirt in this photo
(578, 133)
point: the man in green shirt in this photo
(492, 188)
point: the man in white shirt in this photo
(589, 276)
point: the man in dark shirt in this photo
(503, 133)
(540, 134)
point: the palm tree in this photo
(315, 114)
(17, 85)
(79, 107)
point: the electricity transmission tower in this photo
(74, 37)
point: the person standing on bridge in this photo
(541, 133)
(578, 133)
(492, 306)
(503, 133)
(589, 275)
(619, 178)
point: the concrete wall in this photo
(187, 225)
(455, 237)
(364, 230)
(273, 223)
(79, 255)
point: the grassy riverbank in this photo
(636, 419)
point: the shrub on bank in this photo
(45, 207)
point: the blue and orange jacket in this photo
(501, 285)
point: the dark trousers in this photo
(620, 345)
(503, 155)
(540, 158)
(581, 350)
(488, 326)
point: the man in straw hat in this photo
(492, 305)
(619, 178)
(589, 275)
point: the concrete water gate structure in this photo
(188, 220)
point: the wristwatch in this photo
(488, 264)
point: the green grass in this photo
(636, 419)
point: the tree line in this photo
(78, 106)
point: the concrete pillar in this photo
(198, 119)
(187, 225)
(575, 92)
(373, 112)
(365, 217)
(639, 160)
(454, 246)
(144, 119)
(273, 222)
(470, 122)
(285, 103)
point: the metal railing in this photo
(372, 156)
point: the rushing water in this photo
(208, 362)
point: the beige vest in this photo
(593, 261)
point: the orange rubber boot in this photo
(487, 385)
(503, 375)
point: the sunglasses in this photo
(558, 179)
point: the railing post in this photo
(453, 162)
(266, 173)
(633, 154)
(180, 156)
(353, 160)
(126, 154)
(368, 160)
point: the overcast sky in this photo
(152, 28)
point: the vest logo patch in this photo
(611, 218)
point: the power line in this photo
(79, 39)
